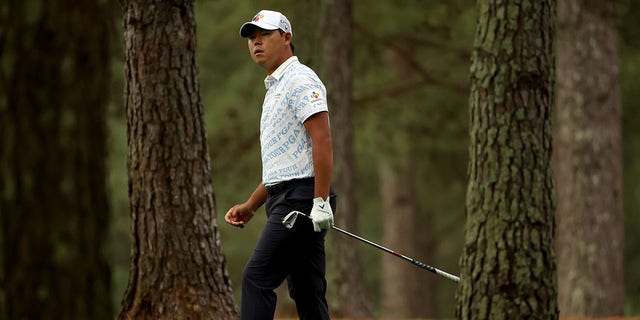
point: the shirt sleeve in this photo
(310, 98)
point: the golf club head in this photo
(290, 219)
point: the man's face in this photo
(269, 48)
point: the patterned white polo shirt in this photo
(294, 93)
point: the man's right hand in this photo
(239, 215)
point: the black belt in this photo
(286, 185)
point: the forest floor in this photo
(610, 318)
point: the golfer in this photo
(297, 164)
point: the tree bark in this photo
(508, 268)
(588, 161)
(54, 214)
(177, 266)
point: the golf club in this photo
(290, 219)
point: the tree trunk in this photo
(54, 215)
(588, 161)
(508, 266)
(413, 296)
(400, 288)
(330, 52)
(428, 286)
(177, 266)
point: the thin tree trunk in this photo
(428, 286)
(508, 268)
(177, 266)
(352, 300)
(54, 215)
(414, 296)
(588, 161)
(330, 47)
(400, 288)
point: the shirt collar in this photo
(276, 75)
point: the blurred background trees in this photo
(54, 207)
(588, 160)
(409, 119)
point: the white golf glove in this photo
(321, 214)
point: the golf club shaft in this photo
(413, 261)
(289, 220)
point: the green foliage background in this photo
(420, 49)
(629, 72)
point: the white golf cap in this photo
(268, 20)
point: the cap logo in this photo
(315, 95)
(257, 17)
(284, 25)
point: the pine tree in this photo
(177, 266)
(508, 266)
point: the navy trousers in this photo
(296, 255)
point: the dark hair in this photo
(293, 50)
